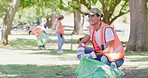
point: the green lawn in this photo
(135, 66)
(34, 71)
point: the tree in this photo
(138, 26)
(78, 11)
(9, 8)
(78, 25)
(112, 9)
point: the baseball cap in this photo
(94, 11)
(61, 16)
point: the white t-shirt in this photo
(108, 35)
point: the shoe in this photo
(43, 48)
(39, 48)
(60, 51)
(113, 65)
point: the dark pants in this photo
(104, 58)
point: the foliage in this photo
(112, 9)
(27, 3)
(4, 6)
(26, 15)
(41, 8)
(75, 4)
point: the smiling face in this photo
(94, 19)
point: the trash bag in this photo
(89, 68)
(42, 39)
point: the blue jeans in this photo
(60, 41)
(104, 58)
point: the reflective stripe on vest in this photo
(97, 47)
(118, 51)
(102, 36)
(118, 48)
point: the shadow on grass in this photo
(135, 73)
(143, 59)
(137, 56)
(23, 43)
(136, 53)
(34, 71)
(54, 52)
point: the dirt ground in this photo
(13, 56)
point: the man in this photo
(59, 33)
(107, 47)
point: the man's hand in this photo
(80, 53)
(92, 55)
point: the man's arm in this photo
(109, 47)
(80, 50)
(84, 41)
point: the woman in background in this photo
(59, 33)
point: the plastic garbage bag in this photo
(89, 68)
(42, 39)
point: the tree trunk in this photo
(138, 18)
(146, 36)
(7, 22)
(53, 18)
(78, 27)
(48, 23)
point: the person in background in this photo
(59, 32)
(41, 34)
(107, 47)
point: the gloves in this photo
(92, 55)
(80, 53)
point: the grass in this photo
(135, 66)
(34, 71)
(21, 44)
(29, 43)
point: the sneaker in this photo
(39, 48)
(43, 48)
(60, 51)
(113, 65)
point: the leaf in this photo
(94, 2)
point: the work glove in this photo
(92, 55)
(80, 53)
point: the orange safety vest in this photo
(37, 31)
(118, 50)
(59, 29)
